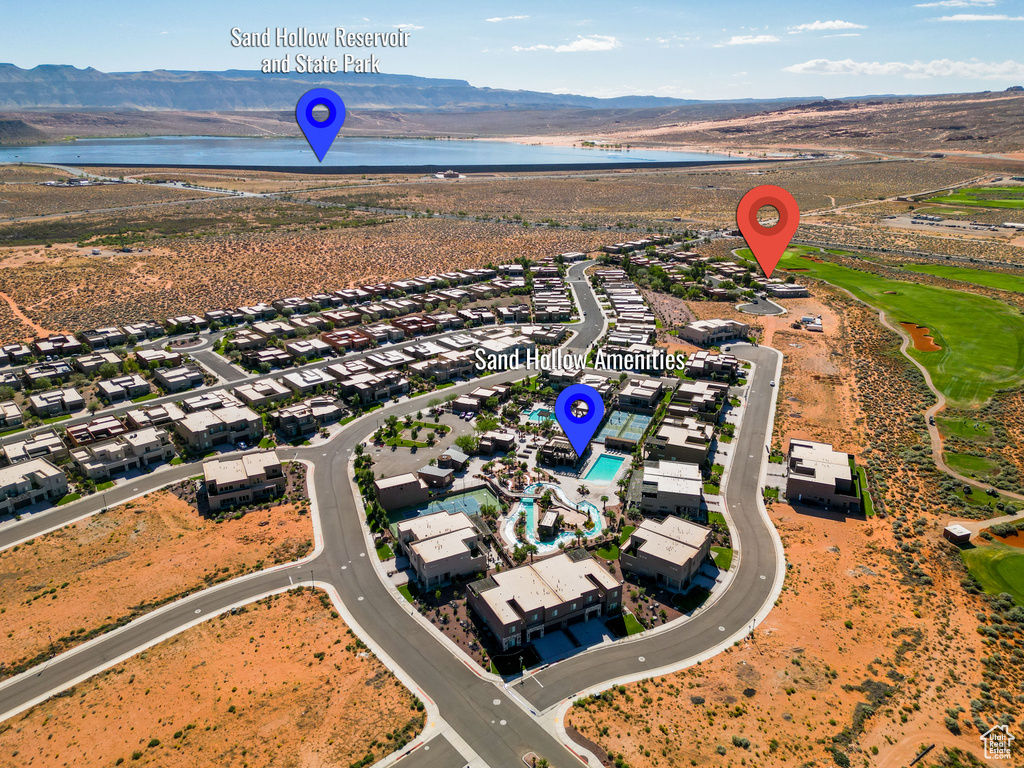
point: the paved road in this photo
(482, 713)
(436, 753)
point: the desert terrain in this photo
(65, 587)
(282, 683)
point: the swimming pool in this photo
(526, 506)
(604, 469)
(538, 415)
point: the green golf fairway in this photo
(984, 197)
(982, 339)
(999, 568)
(976, 276)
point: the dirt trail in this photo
(16, 310)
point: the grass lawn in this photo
(869, 506)
(776, 459)
(69, 498)
(176, 461)
(965, 429)
(691, 600)
(972, 466)
(406, 592)
(771, 493)
(266, 442)
(104, 486)
(624, 625)
(984, 197)
(723, 557)
(716, 517)
(144, 398)
(982, 339)
(54, 419)
(998, 568)
(976, 276)
(11, 431)
(384, 552)
(612, 552)
(711, 488)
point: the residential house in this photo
(442, 547)
(521, 604)
(130, 451)
(670, 551)
(30, 482)
(252, 478)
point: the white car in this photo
(771, 383)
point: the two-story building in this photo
(252, 478)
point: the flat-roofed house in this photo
(308, 380)
(521, 604)
(57, 345)
(218, 398)
(30, 482)
(89, 364)
(56, 372)
(41, 445)
(670, 551)
(180, 378)
(153, 358)
(685, 439)
(710, 332)
(15, 354)
(127, 387)
(10, 415)
(207, 429)
(263, 392)
(132, 450)
(99, 338)
(56, 402)
(304, 419)
(154, 415)
(100, 428)
(639, 395)
(252, 478)
(401, 491)
(442, 547)
(707, 365)
(818, 474)
(671, 488)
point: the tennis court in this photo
(468, 502)
(623, 425)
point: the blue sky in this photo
(706, 50)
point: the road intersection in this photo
(490, 723)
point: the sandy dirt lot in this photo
(284, 683)
(196, 274)
(790, 692)
(91, 576)
(18, 200)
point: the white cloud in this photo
(981, 17)
(844, 34)
(974, 69)
(818, 26)
(749, 40)
(410, 27)
(589, 43)
(495, 19)
(956, 3)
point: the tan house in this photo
(819, 474)
(402, 490)
(521, 604)
(41, 445)
(442, 547)
(671, 488)
(263, 392)
(685, 439)
(30, 482)
(132, 450)
(711, 332)
(254, 477)
(670, 551)
(222, 426)
(56, 402)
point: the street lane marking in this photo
(199, 610)
(721, 629)
(642, 659)
(496, 702)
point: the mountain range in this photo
(58, 86)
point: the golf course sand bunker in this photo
(923, 340)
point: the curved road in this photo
(481, 712)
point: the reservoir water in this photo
(345, 153)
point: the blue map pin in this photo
(320, 133)
(579, 411)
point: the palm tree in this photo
(604, 502)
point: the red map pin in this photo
(768, 243)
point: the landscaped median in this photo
(94, 575)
